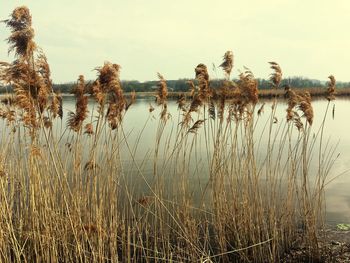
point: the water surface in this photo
(140, 127)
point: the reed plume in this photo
(196, 126)
(44, 83)
(248, 86)
(227, 64)
(56, 107)
(292, 100)
(331, 88)
(22, 33)
(276, 77)
(20, 75)
(244, 95)
(107, 85)
(306, 107)
(98, 94)
(24, 101)
(196, 103)
(117, 102)
(162, 93)
(16, 72)
(302, 102)
(161, 96)
(297, 121)
(75, 120)
(181, 102)
(202, 77)
(22, 70)
(78, 91)
(201, 96)
(107, 76)
(229, 89)
(29, 73)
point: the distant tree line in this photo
(181, 85)
(301, 82)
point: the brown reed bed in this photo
(316, 93)
(73, 199)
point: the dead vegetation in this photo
(67, 199)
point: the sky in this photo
(308, 38)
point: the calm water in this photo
(138, 121)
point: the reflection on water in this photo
(337, 131)
(140, 127)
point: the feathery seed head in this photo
(331, 88)
(227, 64)
(22, 34)
(20, 18)
(196, 126)
(306, 107)
(276, 76)
(181, 102)
(202, 77)
(75, 120)
(162, 93)
(248, 87)
(108, 76)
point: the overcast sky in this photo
(306, 37)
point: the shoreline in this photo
(263, 93)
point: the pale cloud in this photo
(307, 38)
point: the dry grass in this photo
(72, 199)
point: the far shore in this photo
(263, 93)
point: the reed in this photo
(67, 196)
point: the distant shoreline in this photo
(263, 93)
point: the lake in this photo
(140, 128)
